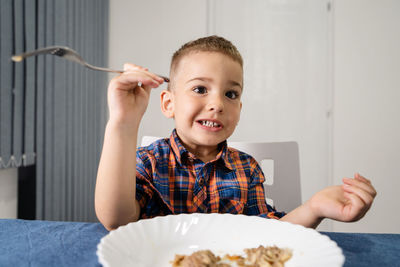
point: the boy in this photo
(193, 170)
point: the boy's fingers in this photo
(145, 73)
(361, 184)
(132, 78)
(147, 88)
(127, 84)
(358, 207)
(355, 200)
(129, 67)
(365, 196)
(361, 178)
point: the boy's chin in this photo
(206, 142)
(201, 139)
(209, 141)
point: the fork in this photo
(69, 54)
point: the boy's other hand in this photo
(129, 93)
(348, 202)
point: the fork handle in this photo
(117, 71)
(102, 69)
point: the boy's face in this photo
(204, 99)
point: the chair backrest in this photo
(147, 140)
(280, 164)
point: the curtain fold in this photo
(6, 83)
(53, 111)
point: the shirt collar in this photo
(183, 154)
(177, 147)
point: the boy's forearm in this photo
(115, 196)
(303, 215)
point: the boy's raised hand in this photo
(128, 93)
(347, 202)
(128, 97)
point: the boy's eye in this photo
(200, 90)
(232, 94)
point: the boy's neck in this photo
(205, 154)
(202, 152)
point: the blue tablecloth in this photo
(44, 243)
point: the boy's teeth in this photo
(210, 124)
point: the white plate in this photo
(154, 242)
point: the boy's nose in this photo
(216, 104)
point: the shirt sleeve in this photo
(256, 202)
(144, 192)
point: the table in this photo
(46, 243)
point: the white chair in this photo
(280, 164)
(147, 140)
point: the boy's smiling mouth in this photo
(210, 124)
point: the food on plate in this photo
(267, 256)
(255, 257)
(198, 259)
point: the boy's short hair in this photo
(206, 44)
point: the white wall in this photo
(286, 50)
(291, 82)
(147, 33)
(8, 193)
(366, 105)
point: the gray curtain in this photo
(53, 111)
(17, 84)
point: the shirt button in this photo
(201, 182)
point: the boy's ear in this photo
(167, 103)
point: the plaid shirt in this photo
(171, 180)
